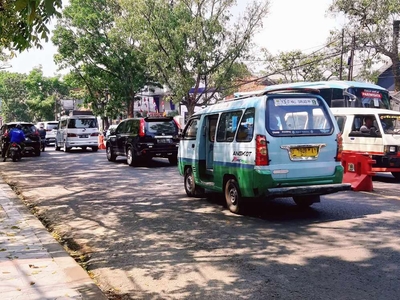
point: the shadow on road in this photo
(145, 238)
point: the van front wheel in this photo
(191, 188)
(232, 196)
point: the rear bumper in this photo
(322, 189)
(50, 140)
(159, 152)
(82, 143)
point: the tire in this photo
(191, 188)
(110, 154)
(95, 149)
(173, 160)
(130, 157)
(56, 146)
(14, 157)
(65, 148)
(396, 175)
(233, 197)
(306, 201)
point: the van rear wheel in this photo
(396, 175)
(306, 201)
(130, 156)
(191, 188)
(173, 160)
(232, 196)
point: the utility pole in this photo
(395, 58)
(341, 58)
(351, 59)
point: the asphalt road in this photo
(145, 239)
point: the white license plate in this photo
(84, 136)
(163, 141)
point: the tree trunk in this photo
(191, 104)
(396, 73)
(130, 108)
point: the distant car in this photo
(32, 138)
(51, 131)
(141, 139)
(110, 129)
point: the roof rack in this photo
(294, 90)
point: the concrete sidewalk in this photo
(33, 265)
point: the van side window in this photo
(121, 128)
(128, 126)
(227, 126)
(245, 132)
(135, 127)
(191, 129)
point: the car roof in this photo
(22, 123)
(362, 111)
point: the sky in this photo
(290, 25)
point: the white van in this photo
(51, 130)
(79, 129)
(270, 145)
(381, 141)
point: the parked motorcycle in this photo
(15, 152)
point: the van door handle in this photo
(192, 145)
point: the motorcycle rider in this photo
(17, 136)
(42, 133)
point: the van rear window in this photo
(82, 123)
(297, 116)
(166, 127)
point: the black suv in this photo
(141, 139)
(32, 138)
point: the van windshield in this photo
(82, 123)
(297, 116)
(390, 123)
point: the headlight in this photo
(390, 149)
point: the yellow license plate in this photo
(304, 152)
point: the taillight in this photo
(36, 132)
(339, 149)
(95, 134)
(14, 145)
(72, 135)
(261, 151)
(141, 127)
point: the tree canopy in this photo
(371, 22)
(103, 60)
(191, 43)
(30, 97)
(24, 23)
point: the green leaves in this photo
(192, 43)
(23, 23)
(371, 22)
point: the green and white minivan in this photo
(281, 143)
